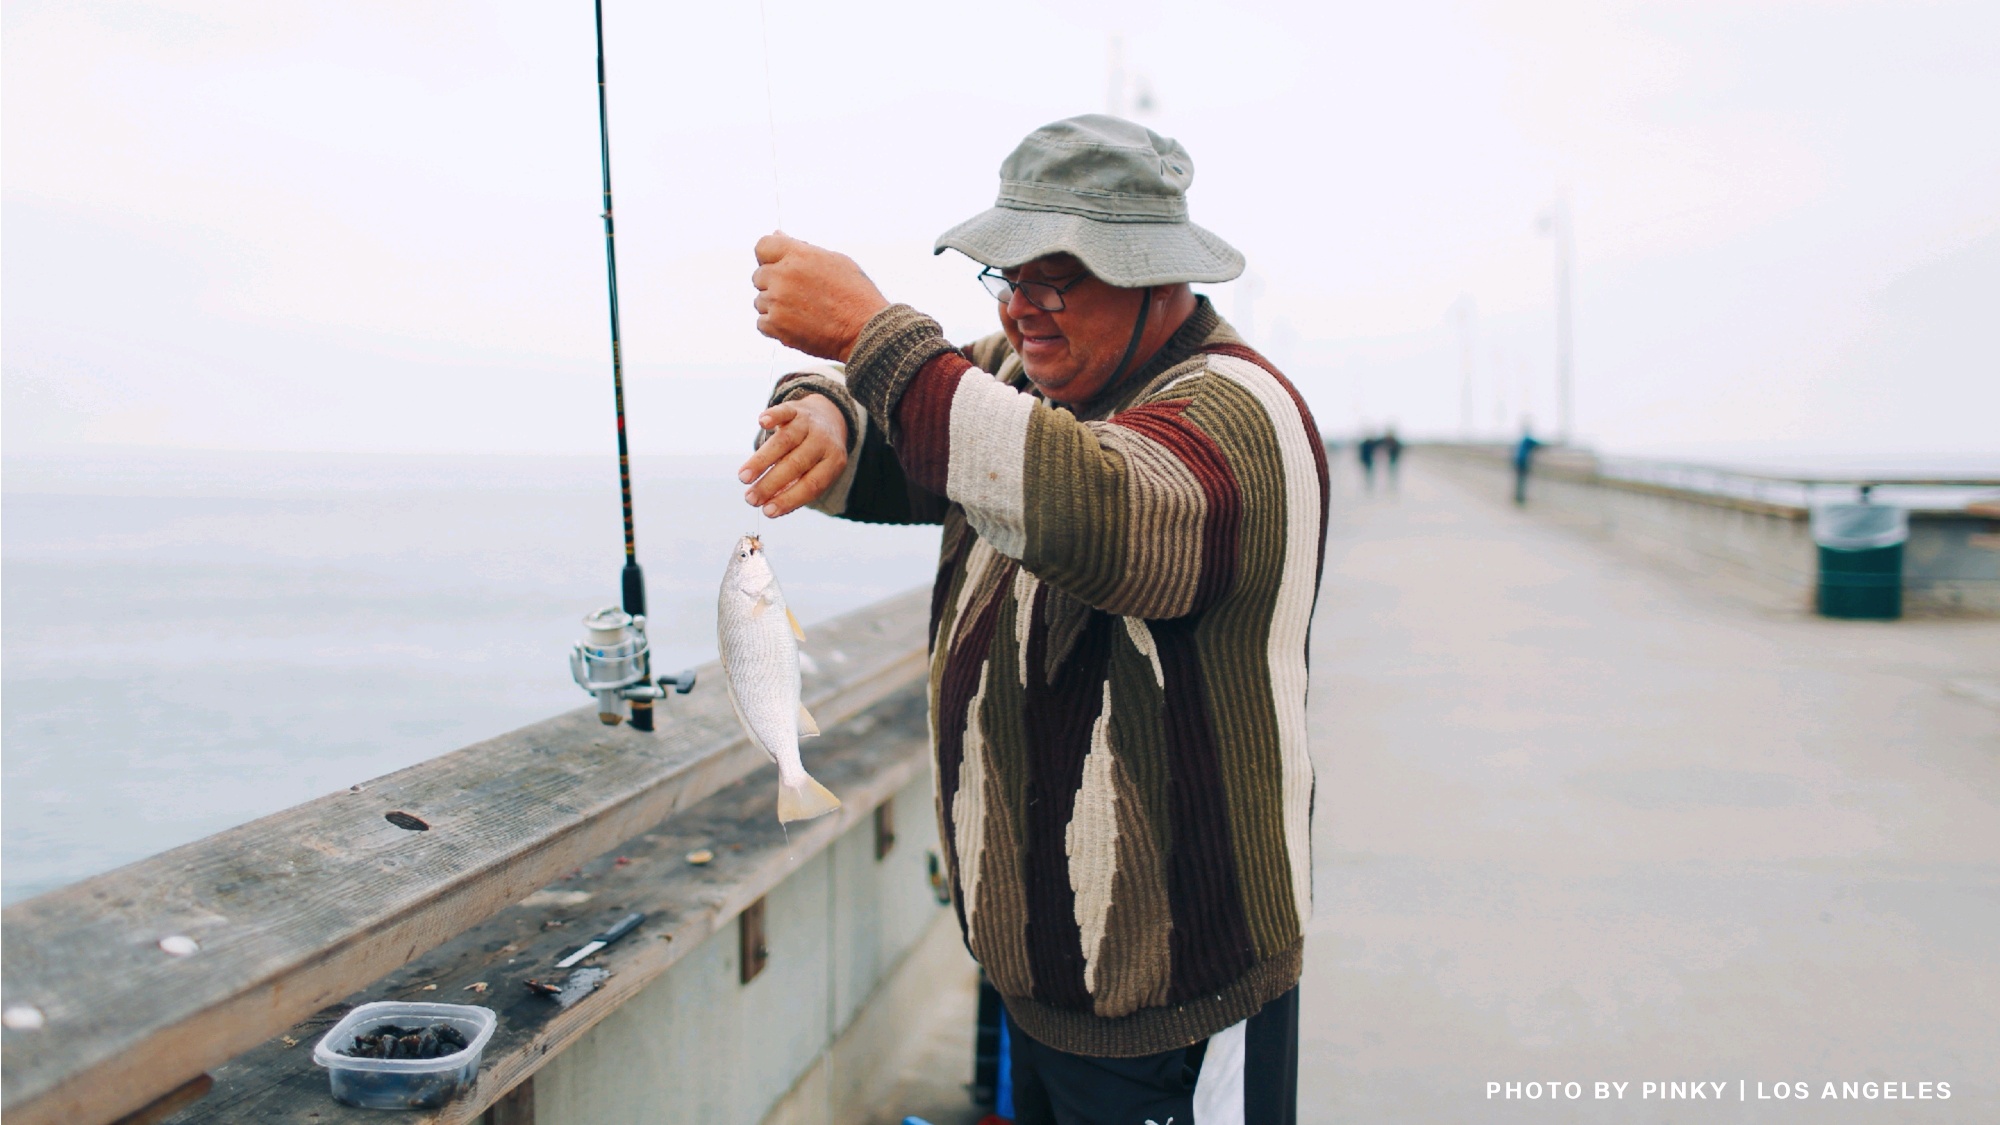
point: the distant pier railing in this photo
(1916, 492)
(126, 991)
(1751, 529)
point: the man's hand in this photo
(812, 299)
(805, 454)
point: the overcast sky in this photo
(373, 226)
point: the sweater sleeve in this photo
(873, 488)
(1141, 514)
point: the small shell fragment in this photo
(476, 986)
(288, 1041)
(700, 857)
(179, 945)
(428, 988)
(23, 1017)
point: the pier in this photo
(1599, 798)
(1585, 812)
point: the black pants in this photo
(1253, 1078)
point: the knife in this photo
(618, 930)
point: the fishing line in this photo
(771, 113)
(771, 120)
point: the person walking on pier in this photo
(1364, 451)
(1524, 459)
(1133, 503)
(1392, 451)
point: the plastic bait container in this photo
(404, 1083)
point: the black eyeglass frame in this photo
(1003, 289)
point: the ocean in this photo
(192, 640)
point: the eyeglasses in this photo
(1041, 294)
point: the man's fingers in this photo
(774, 481)
(775, 447)
(789, 468)
(772, 246)
(806, 489)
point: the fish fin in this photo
(807, 724)
(808, 800)
(758, 606)
(797, 631)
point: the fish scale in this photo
(759, 641)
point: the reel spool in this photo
(613, 664)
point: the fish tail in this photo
(804, 800)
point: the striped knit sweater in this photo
(1118, 668)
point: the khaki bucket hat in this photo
(1111, 192)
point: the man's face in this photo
(1070, 354)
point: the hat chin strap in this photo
(1138, 333)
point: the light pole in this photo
(1248, 290)
(1555, 223)
(1463, 310)
(1114, 74)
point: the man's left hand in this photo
(812, 299)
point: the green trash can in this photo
(1861, 559)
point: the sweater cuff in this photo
(893, 347)
(795, 387)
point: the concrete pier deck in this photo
(1580, 820)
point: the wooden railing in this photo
(144, 978)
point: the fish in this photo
(759, 639)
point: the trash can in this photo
(1861, 559)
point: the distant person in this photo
(1365, 451)
(1524, 459)
(1392, 448)
(1132, 501)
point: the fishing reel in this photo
(614, 665)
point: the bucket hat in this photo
(1111, 192)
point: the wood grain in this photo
(866, 761)
(297, 910)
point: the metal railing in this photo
(1797, 492)
(1805, 490)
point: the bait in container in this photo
(404, 1083)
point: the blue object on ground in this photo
(1003, 1098)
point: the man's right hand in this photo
(805, 454)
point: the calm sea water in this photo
(190, 641)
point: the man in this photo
(1133, 504)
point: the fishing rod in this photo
(614, 663)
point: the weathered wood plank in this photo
(866, 762)
(296, 910)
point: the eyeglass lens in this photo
(1040, 294)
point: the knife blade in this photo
(618, 930)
